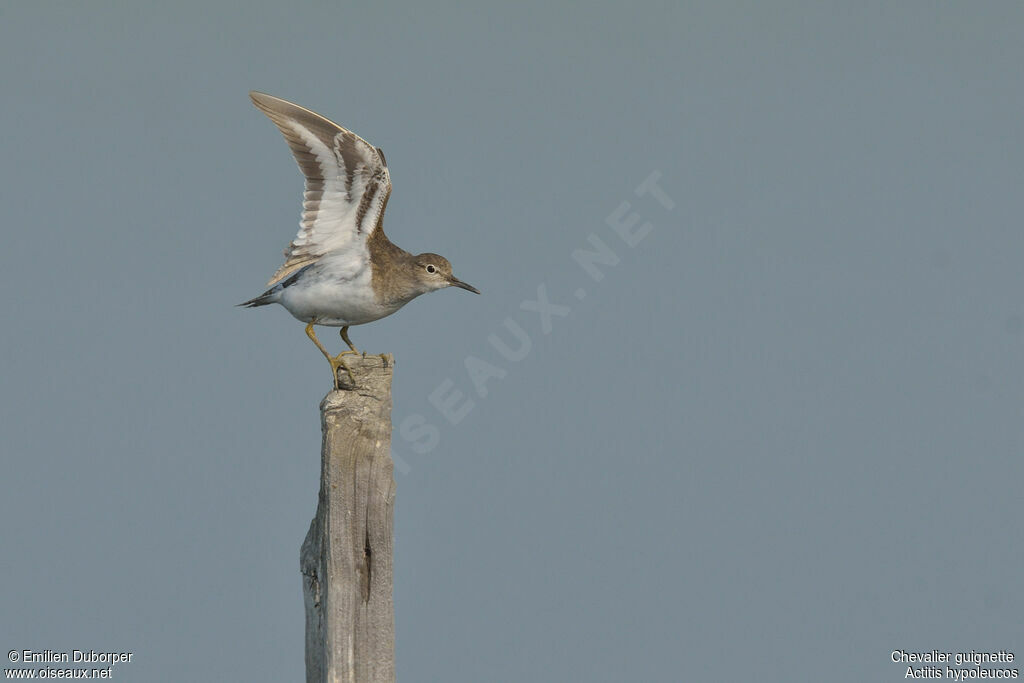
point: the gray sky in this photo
(778, 439)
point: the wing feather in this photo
(347, 183)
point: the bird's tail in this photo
(267, 297)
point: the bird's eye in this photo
(431, 269)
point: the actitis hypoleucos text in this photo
(341, 269)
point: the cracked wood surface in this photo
(346, 557)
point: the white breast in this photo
(337, 290)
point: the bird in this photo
(341, 269)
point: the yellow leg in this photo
(335, 361)
(344, 337)
(351, 346)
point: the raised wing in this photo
(347, 183)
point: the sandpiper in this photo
(341, 269)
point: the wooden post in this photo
(346, 557)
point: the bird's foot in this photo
(337, 362)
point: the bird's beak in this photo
(456, 282)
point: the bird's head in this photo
(433, 271)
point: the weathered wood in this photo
(346, 557)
